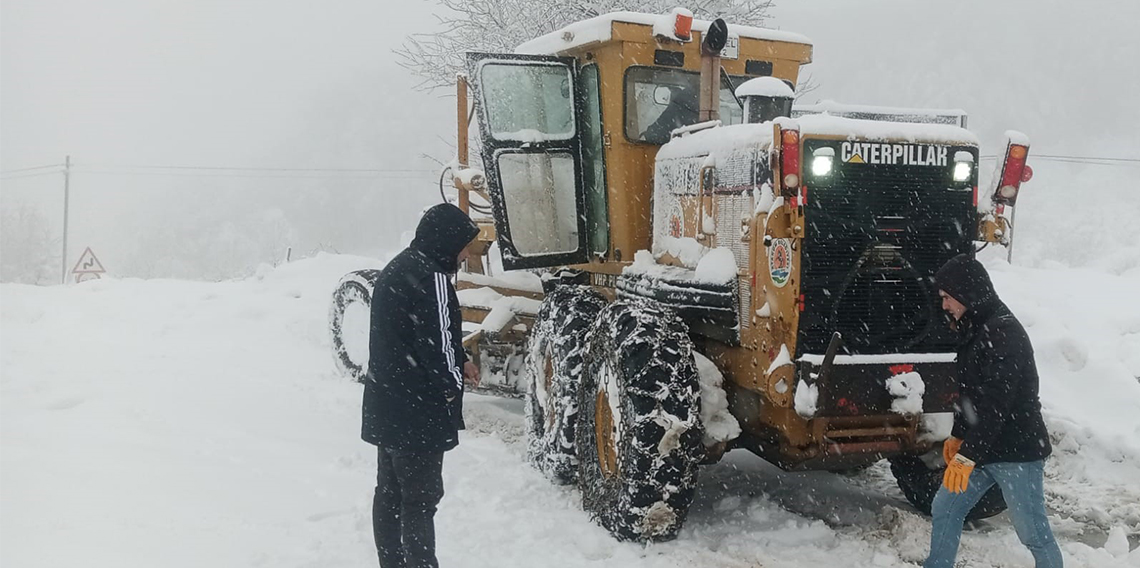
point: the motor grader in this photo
(686, 269)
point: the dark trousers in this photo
(408, 490)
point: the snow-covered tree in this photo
(29, 251)
(498, 26)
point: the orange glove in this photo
(957, 475)
(950, 448)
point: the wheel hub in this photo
(548, 380)
(604, 434)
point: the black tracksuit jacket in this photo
(416, 352)
(999, 411)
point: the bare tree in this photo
(805, 85)
(499, 26)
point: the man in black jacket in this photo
(999, 435)
(413, 395)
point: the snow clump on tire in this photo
(720, 425)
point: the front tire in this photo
(553, 376)
(919, 484)
(350, 319)
(639, 429)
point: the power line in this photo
(1091, 160)
(1097, 158)
(263, 169)
(398, 175)
(31, 168)
(29, 175)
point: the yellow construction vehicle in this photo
(691, 269)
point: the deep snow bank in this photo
(169, 423)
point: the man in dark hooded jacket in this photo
(999, 435)
(413, 395)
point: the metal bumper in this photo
(859, 388)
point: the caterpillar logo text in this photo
(893, 154)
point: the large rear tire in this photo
(553, 376)
(350, 319)
(919, 483)
(639, 429)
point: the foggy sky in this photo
(121, 84)
(302, 84)
(196, 81)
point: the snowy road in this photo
(170, 423)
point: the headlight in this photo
(821, 166)
(962, 171)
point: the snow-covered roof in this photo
(726, 139)
(764, 87)
(856, 129)
(600, 28)
(875, 112)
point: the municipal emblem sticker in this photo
(780, 261)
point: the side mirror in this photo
(662, 95)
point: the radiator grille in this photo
(875, 235)
(744, 290)
(731, 208)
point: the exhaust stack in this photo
(711, 45)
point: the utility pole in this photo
(66, 199)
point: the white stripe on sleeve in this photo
(445, 327)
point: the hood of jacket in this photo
(967, 281)
(442, 233)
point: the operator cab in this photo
(609, 90)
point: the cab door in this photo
(529, 127)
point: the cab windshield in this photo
(661, 99)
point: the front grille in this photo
(730, 209)
(874, 237)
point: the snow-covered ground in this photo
(171, 423)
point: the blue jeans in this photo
(1022, 485)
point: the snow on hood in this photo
(722, 140)
(726, 139)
